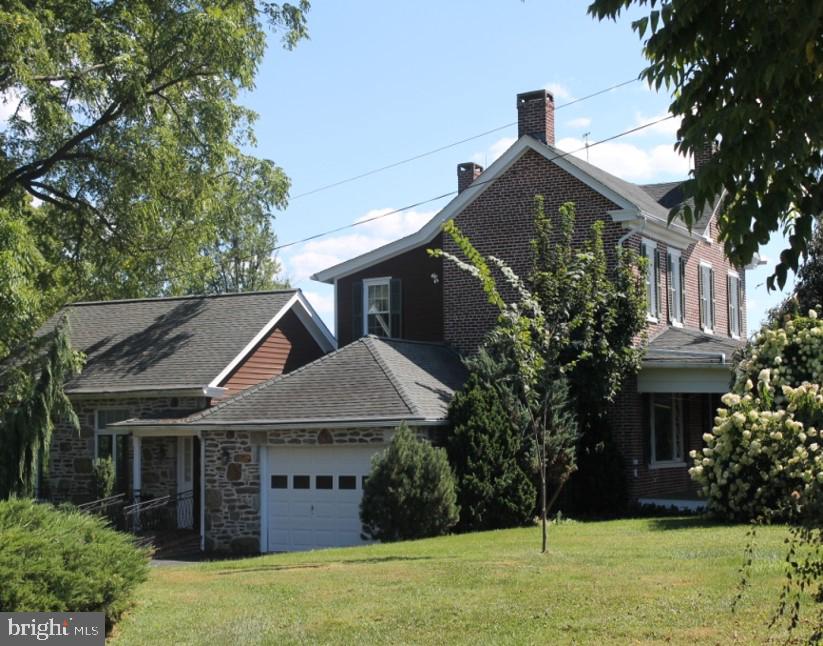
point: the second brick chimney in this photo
(535, 115)
(704, 154)
(466, 174)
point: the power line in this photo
(473, 185)
(451, 145)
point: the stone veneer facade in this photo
(231, 468)
(72, 454)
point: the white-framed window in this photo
(648, 250)
(666, 422)
(677, 300)
(733, 289)
(113, 443)
(377, 306)
(705, 280)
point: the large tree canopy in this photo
(749, 75)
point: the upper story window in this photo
(705, 283)
(733, 288)
(648, 250)
(666, 417)
(377, 307)
(677, 297)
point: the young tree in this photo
(749, 75)
(486, 449)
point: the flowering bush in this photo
(764, 456)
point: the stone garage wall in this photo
(72, 454)
(232, 477)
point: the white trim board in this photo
(305, 313)
(627, 213)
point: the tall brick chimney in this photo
(704, 153)
(535, 115)
(466, 174)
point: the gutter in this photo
(721, 355)
(168, 391)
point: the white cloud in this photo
(667, 128)
(632, 162)
(559, 91)
(579, 122)
(322, 303)
(319, 254)
(488, 157)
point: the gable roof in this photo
(676, 345)
(370, 381)
(179, 343)
(638, 206)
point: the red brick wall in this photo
(287, 347)
(500, 222)
(422, 311)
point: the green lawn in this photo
(628, 581)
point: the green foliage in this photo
(599, 485)
(486, 450)
(31, 400)
(751, 75)
(103, 474)
(410, 492)
(63, 560)
(594, 313)
(808, 289)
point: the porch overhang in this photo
(685, 378)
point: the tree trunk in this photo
(543, 495)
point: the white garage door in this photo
(313, 496)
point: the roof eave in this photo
(205, 390)
(263, 424)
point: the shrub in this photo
(103, 477)
(410, 492)
(486, 449)
(62, 560)
(763, 457)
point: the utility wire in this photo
(451, 145)
(471, 186)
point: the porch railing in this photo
(110, 508)
(173, 511)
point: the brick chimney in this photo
(466, 174)
(535, 115)
(704, 154)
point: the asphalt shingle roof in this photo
(163, 343)
(683, 345)
(370, 379)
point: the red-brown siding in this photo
(287, 347)
(422, 311)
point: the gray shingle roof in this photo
(164, 343)
(670, 195)
(369, 380)
(682, 345)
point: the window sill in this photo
(652, 319)
(676, 324)
(707, 330)
(679, 464)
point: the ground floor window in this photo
(113, 444)
(666, 418)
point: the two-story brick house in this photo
(282, 462)
(696, 310)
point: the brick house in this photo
(697, 299)
(279, 464)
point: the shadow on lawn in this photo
(683, 522)
(314, 566)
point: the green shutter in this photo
(670, 285)
(682, 290)
(357, 309)
(396, 308)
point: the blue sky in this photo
(379, 82)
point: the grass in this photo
(628, 581)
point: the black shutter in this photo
(357, 309)
(670, 286)
(396, 308)
(682, 290)
(658, 306)
(701, 297)
(711, 298)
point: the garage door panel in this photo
(327, 512)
